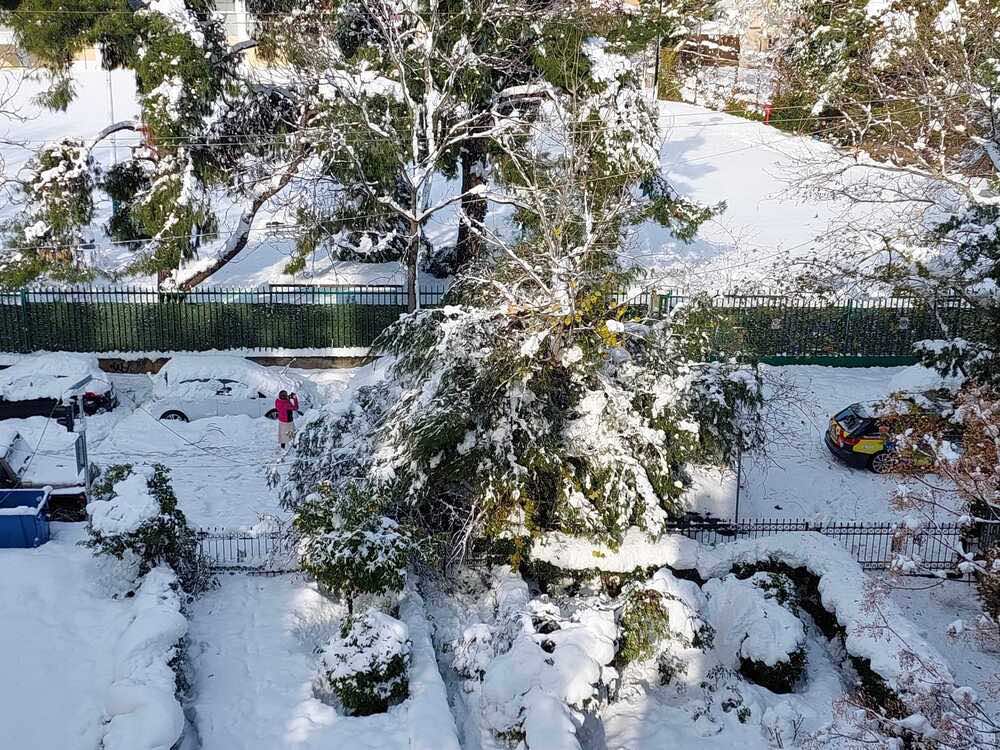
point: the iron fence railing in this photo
(229, 549)
(873, 545)
(288, 316)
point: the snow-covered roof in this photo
(50, 376)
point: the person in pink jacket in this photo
(286, 405)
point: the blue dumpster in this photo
(23, 522)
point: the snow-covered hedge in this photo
(541, 688)
(880, 637)
(135, 513)
(366, 665)
(901, 664)
(758, 634)
(142, 709)
(432, 724)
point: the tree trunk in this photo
(241, 235)
(469, 244)
(412, 255)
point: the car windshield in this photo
(851, 419)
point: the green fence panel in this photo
(295, 317)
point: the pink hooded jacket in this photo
(286, 407)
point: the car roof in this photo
(188, 368)
(46, 375)
(932, 402)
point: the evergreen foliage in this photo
(366, 666)
(350, 549)
(644, 622)
(162, 538)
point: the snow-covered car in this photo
(38, 386)
(195, 387)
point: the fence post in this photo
(846, 336)
(26, 327)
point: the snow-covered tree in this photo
(366, 666)
(350, 549)
(541, 399)
(363, 117)
(185, 73)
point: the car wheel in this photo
(174, 416)
(882, 462)
(272, 414)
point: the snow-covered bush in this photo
(474, 651)
(366, 666)
(355, 553)
(542, 687)
(143, 705)
(753, 629)
(134, 513)
(644, 622)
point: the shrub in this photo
(352, 555)
(644, 623)
(778, 678)
(135, 511)
(366, 666)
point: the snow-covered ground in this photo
(60, 629)
(706, 155)
(798, 477)
(256, 642)
(933, 607)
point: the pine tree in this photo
(541, 399)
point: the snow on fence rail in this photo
(873, 545)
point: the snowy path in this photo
(932, 608)
(60, 631)
(254, 641)
(800, 478)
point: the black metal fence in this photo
(791, 326)
(873, 545)
(142, 320)
(284, 316)
(229, 549)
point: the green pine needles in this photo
(134, 513)
(355, 553)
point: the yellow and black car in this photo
(867, 435)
